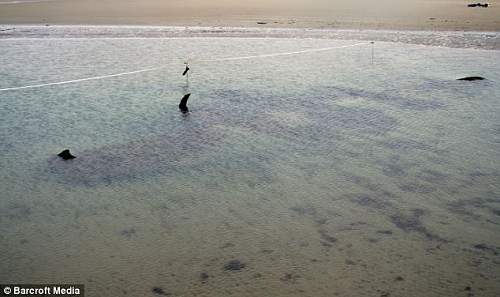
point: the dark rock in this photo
(468, 288)
(185, 70)
(261, 23)
(159, 291)
(183, 105)
(477, 5)
(399, 278)
(66, 155)
(234, 265)
(471, 78)
(204, 276)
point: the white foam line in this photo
(79, 80)
(281, 54)
(24, 1)
(157, 68)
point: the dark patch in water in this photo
(433, 176)
(128, 232)
(467, 207)
(321, 221)
(406, 145)
(487, 248)
(165, 153)
(477, 176)
(367, 201)
(227, 245)
(326, 244)
(358, 119)
(393, 170)
(411, 222)
(137, 158)
(326, 237)
(421, 104)
(385, 232)
(362, 181)
(304, 210)
(159, 291)
(16, 211)
(204, 277)
(393, 98)
(416, 188)
(289, 277)
(394, 166)
(234, 265)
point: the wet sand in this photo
(388, 14)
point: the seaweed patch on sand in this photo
(470, 208)
(412, 222)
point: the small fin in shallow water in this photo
(183, 105)
(470, 78)
(66, 155)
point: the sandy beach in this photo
(387, 14)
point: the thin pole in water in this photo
(373, 50)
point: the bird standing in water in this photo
(186, 70)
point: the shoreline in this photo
(453, 39)
(269, 22)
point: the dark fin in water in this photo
(183, 105)
(185, 71)
(470, 78)
(66, 155)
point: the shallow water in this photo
(323, 173)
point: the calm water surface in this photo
(321, 173)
